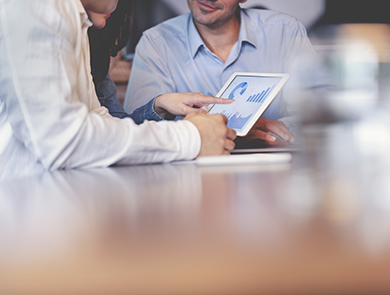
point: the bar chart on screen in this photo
(260, 97)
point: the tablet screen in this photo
(252, 95)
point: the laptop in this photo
(287, 149)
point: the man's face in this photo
(213, 13)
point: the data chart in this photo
(250, 93)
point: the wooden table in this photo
(184, 229)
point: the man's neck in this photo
(220, 40)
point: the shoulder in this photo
(61, 17)
(42, 7)
(274, 23)
(173, 28)
(261, 17)
(41, 22)
(44, 11)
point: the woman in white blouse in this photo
(50, 117)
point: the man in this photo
(50, 117)
(199, 51)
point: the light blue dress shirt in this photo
(172, 57)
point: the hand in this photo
(261, 131)
(217, 138)
(182, 104)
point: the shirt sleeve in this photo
(107, 95)
(150, 74)
(146, 113)
(45, 102)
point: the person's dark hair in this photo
(111, 39)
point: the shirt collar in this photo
(194, 38)
(83, 14)
(245, 35)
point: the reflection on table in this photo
(182, 229)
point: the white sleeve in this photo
(43, 100)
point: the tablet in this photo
(253, 93)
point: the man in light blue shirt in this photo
(199, 51)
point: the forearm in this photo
(106, 92)
(107, 95)
(145, 113)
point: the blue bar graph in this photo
(260, 97)
(264, 95)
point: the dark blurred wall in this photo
(147, 13)
(355, 11)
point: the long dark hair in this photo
(111, 39)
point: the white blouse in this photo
(50, 117)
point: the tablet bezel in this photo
(272, 95)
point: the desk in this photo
(181, 229)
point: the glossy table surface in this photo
(289, 228)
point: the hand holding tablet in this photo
(253, 93)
